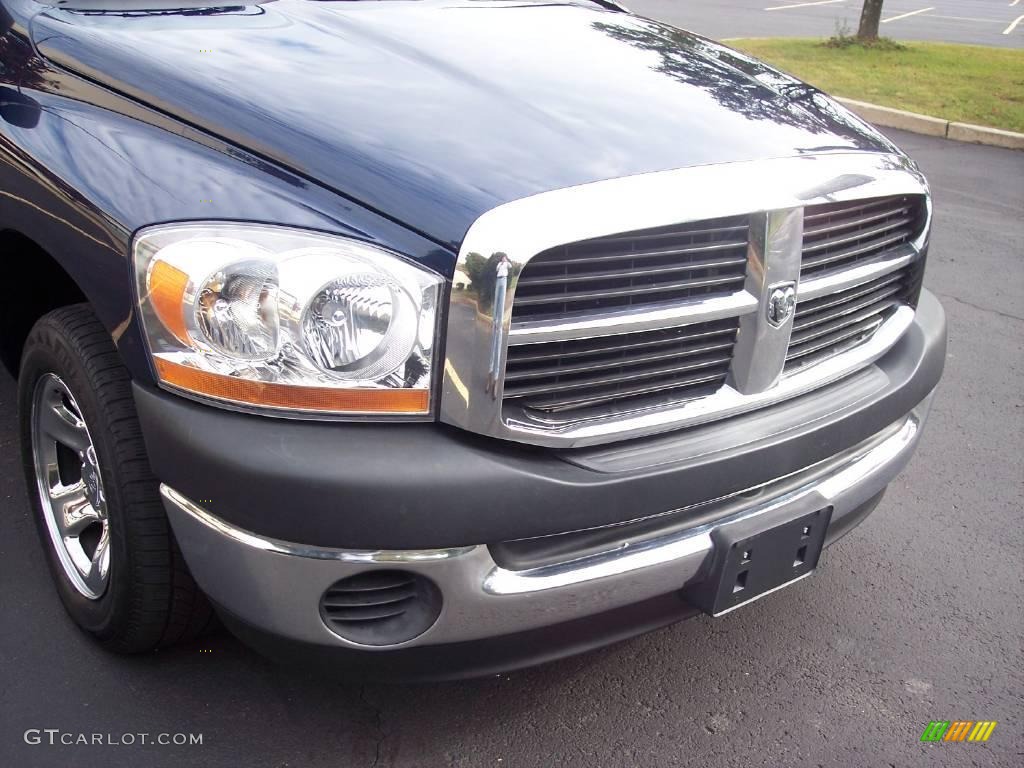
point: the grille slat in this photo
(526, 301)
(704, 341)
(626, 374)
(856, 222)
(689, 262)
(635, 269)
(826, 327)
(817, 212)
(813, 305)
(858, 235)
(843, 235)
(597, 365)
(624, 369)
(862, 328)
(685, 386)
(871, 247)
(841, 310)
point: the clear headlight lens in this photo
(236, 311)
(285, 320)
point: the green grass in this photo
(963, 83)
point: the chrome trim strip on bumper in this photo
(276, 585)
(479, 332)
(356, 556)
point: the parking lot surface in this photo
(978, 22)
(917, 615)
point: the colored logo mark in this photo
(958, 730)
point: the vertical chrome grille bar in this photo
(773, 269)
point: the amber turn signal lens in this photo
(167, 286)
(264, 393)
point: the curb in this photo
(933, 126)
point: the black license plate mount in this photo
(753, 558)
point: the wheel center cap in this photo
(93, 487)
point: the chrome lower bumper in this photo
(276, 585)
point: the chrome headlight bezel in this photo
(224, 308)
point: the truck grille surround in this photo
(632, 369)
(643, 329)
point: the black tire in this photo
(150, 600)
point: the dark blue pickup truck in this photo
(442, 336)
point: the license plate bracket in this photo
(753, 558)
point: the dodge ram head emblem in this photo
(781, 303)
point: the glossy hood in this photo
(433, 112)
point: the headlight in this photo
(276, 319)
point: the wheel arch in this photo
(37, 284)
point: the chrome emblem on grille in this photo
(781, 303)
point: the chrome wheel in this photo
(70, 487)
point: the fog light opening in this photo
(381, 607)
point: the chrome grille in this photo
(840, 235)
(627, 369)
(575, 314)
(635, 269)
(831, 324)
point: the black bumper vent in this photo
(381, 607)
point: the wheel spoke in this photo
(76, 516)
(64, 426)
(96, 576)
(65, 494)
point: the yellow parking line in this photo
(1013, 25)
(461, 388)
(905, 15)
(801, 5)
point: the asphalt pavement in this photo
(915, 616)
(978, 22)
